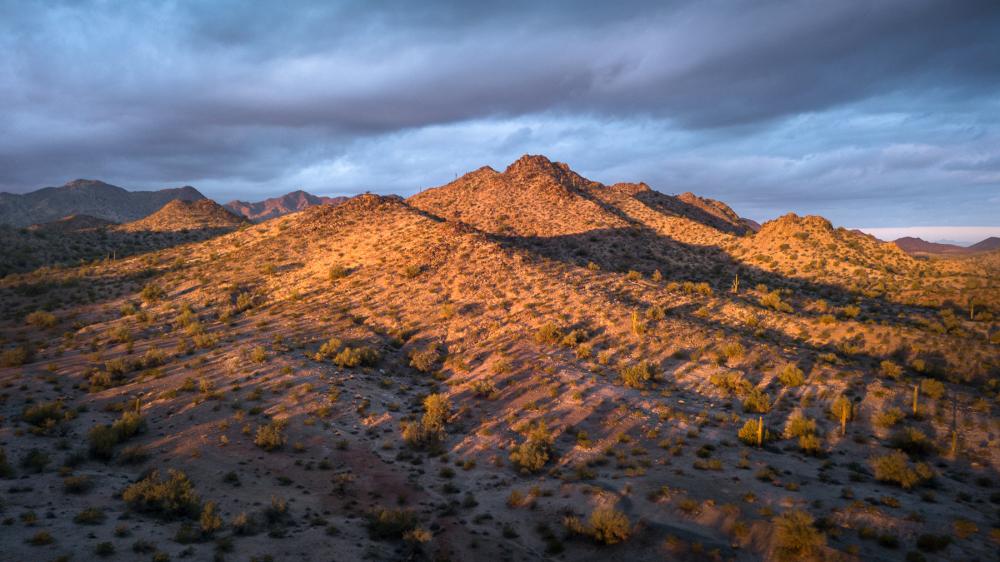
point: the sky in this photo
(874, 114)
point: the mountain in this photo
(537, 197)
(177, 215)
(87, 197)
(279, 206)
(988, 245)
(918, 246)
(72, 223)
(422, 379)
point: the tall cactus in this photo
(736, 284)
(760, 431)
(916, 397)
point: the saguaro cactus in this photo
(736, 284)
(760, 431)
(845, 409)
(916, 397)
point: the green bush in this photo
(731, 383)
(386, 524)
(338, 272)
(102, 439)
(796, 537)
(933, 388)
(35, 460)
(173, 497)
(748, 433)
(888, 418)
(6, 471)
(790, 375)
(44, 414)
(42, 319)
(356, 356)
(638, 374)
(532, 454)
(757, 401)
(895, 468)
(890, 370)
(425, 359)
(90, 516)
(152, 293)
(609, 526)
(913, 442)
(14, 357)
(549, 334)
(799, 426)
(271, 436)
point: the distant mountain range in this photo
(87, 197)
(917, 246)
(278, 206)
(80, 200)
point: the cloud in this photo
(768, 103)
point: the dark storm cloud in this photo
(247, 99)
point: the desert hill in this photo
(917, 246)
(418, 379)
(278, 206)
(72, 223)
(203, 214)
(87, 197)
(988, 245)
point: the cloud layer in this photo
(881, 114)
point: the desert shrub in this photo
(732, 351)
(425, 359)
(548, 334)
(573, 338)
(790, 375)
(609, 526)
(850, 311)
(964, 528)
(258, 354)
(152, 292)
(437, 408)
(483, 387)
(773, 301)
(840, 405)
(6, 471)
(532, 454)
(888, 418)
(731, 383)
(14, 357)
(329, 349)
(796, 537)
(810, 444)
(890, 369)
(386, 523)
(748, 433)
(41, 319)
(173, 497)
(77, 484)
(41, 538)
(356, 356)
(102, 439)
(338, 272)
(895, 468)
(932, 388)
(638, 374)
(799, 426)
(44, 414)
(35, 460)
(913, 442)
(757, 401)
(411, 271)
(209, 521)
(90, 516)
(928, 542)
(270, 436)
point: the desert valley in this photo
(518, 365)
